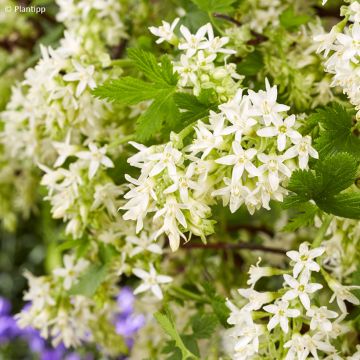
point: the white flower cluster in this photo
(55, 95)
(300, 326)
(59, 320)
(243, 154)
(196, 66)
(340, 47)
(341, 244)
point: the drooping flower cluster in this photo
(243, 154)
(296, 315)
(340, 48)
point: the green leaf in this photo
(146, 62)
(167, 324)
(336, 135)
(195, 108)
(305, 217)
(218, 304)
(345, 205)
(90, 281)
(128, 91)
(336, 173)
(162, 110)
(290, 20)
(211, 6)
(304, 184)
(252, 64)
(204, 325)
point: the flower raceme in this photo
(242, 154)
(290, 315)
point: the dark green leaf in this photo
(204, 325)
(252, 64)
(335, 173)
(346, 205)
(336, 135)
(305, 217)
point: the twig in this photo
(239, 245)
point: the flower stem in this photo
(321, 232)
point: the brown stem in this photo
(240, 245)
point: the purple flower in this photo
(130, 325)
(5, 306)
(125, 301)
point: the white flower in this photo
(84, 75)
(302, 149)
(167, 159)
(193, 43)
(273, 165)
(282, 130)
(140, 197)
(281, 315)
(183, 182)
(205, 140)
(351, 43)
(324, 2)
(151, 281)
(172, 215)
(238, 316)
(142, 243)
(304, 259)
(248, 336)
(256, 299)
(264, 104)
(64, 149)
(241, 159)
(233, 192)
(342, 293)
(96, 156)
(237, 111)
(257, 272)
(326, 41)
(165, 32)
(71, 270)
(301, 346)
(301, 289)
(319, 318)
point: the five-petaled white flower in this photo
(264, 104)
(151, 281)
(281, 313)
(241, 159)
(96, 156)
(192, 43)
(84, 75)
(300, 288)
(303, 150)
(304, 259)
(71, 270)
(165, 32)
(282, 130)
(319, 318)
